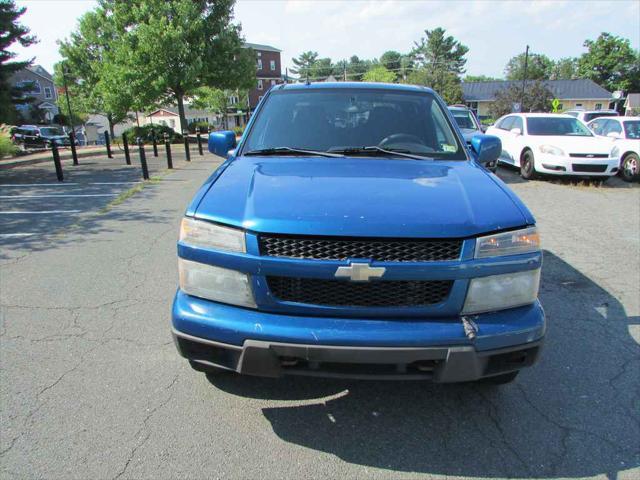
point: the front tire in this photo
(527, 168)
(630, 170)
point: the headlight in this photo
(215, 283)
(198, 233)
(497, 292)
(508, 243)
(551, 150)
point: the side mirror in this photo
(221, 142)
(486, 147)
(516, 131)
(614, 135)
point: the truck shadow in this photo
(575, 414)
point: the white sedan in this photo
(624, 135)
(552, 144)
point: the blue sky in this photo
(494, 31)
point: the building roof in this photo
(578, 89)
(188, 111)
(633, 100)
(39, 70)
(265, 48)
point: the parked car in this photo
(624, 133)
(376, 247)
(469, 126)
(35, 136)
(552, 144)
(587, 115)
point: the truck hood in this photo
(375, 197)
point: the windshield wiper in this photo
(281, 150)
(375, 150)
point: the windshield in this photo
(557, 126)
(632, 129)
(50, 132)
(464, 119)
(590, 116)
(343, 119)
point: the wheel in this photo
(527, 170)
(500, 379)
(630, 170)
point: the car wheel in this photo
(630, 170)
(500, 379)
(527, 170)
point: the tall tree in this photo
(177, 46)
(321, 69)
(11, 32)
(537, 98)
(564, 69)
(391, 60)
(441, 60)
(304, 63)
(356, 68)
(539, 67)
(611, 63)
(481, 78)
(379, 73)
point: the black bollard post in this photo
(56, 161)
(125, 145)
(167, 146)
(143, 159)
(199, 141)
(155, 142)
(72, 141)
(108, 144)
(186, 145)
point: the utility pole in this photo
(66, 93)
(524, 76)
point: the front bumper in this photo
(268, 344)
(565, 165)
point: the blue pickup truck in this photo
(351, 232)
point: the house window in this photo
(259, 64)
(578, 105)
(260, 98)
(47, 92)
(598, 106)
(33, 86)
(272, 64)
(560, 107)
(260, 84)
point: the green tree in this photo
(537, 98)
(611, 63)
(564, 69)
(481, 78)
(391, 60)
(539, 67)
(356, 68)
(304, 63)
(217, 101)
(440, 59)
(379, 73)
(321, 69)
(11, 32)
(174, 47)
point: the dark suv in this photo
(34, 136)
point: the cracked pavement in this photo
(91, 385)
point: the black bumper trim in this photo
(456, 363)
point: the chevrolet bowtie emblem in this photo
(360, 272)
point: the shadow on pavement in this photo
(574, 414)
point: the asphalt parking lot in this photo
(91, 385)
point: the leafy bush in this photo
(146, 131)
(238, 131)
(203, 126)
(7, 147)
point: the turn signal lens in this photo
(508, 243)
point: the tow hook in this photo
(470, 328)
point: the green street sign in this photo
(555, 104)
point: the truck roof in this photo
(354, 85)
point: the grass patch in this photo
(127, 194)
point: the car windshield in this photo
(632, 129)
(557, 126)
(344, 119)
(464, 119)
(50, 131)
(590, 116)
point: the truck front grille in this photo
(401, 293)
(382, 250)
